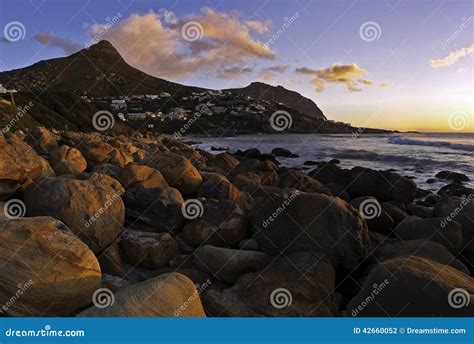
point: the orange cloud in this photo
(349, 75)
(452, 57)
(157, 43)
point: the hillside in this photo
(98, 71)
(279, 94)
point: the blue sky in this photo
(415, 95)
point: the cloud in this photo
(233, 72)
(385, 85)
(63, 43)
(276, 69)
(349, 75)
(154, 42)
(452, 57)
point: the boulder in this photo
(383, 185)
(103, 179)
(249, 244)
(421, 248)
(224, 162)
(300, 284)
(19, 163)
(414, 287)
(397, 214)
(98, 152)
(329, 172)
(56, 273)
(308, 222)
(227, 264)
(178, 171)
(140, 177)
(222, 223)
(414, 227)
(453, 176)
(420, 211)
(159, 208)
(300, 181)
(111, 262)
(42, 140)
(217, 186)
(114, 283)
(67, 160)
(167, 295)
(94, 212)
(377, 218)
(283, 152)
(152, 250)
(460, 210)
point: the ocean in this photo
(417, 155)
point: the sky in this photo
(405, 65)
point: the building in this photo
(134, 116)
(118, 104)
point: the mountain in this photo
(97, 71)
(259, 90)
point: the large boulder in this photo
(421, 248)
(152, 250)
(98, 152)
(217, 186)
(67, 160)
(300, 284)
(223, 162)
(227, 264)
(300, 181)
(414, 227)
(384, 185)
(55, 271)
(19, 163)
(222, 223)
(167, 295)
(414, 287)
(94, 212)
(461, 210)
(178, 171)
(306, 222)
(377, 218)
(159, 208)
(140, 177)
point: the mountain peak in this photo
(103, 47)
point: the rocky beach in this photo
(150, 226)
